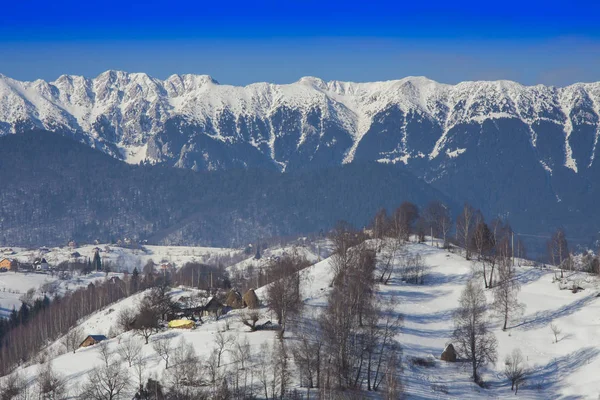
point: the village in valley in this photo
(232, 312)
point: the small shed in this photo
(250, 299)
(92, 340)
(234, 299)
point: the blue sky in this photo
(238, 43)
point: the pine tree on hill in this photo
(97, 262)
(135, 280)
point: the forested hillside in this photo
(54, 190)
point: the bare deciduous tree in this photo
(556, 331)
(558, 249)
(464, 228)
(393, 385)
(184, 375)
(506, 303)
(130, 350)
(164, 348)
(414, 269)
(125, 319)
(344, 237)
(222, 343)
(438, 218)
(249, 318)
(283, 295)
(307, 352)
(51, 385)
(106, 382)
(13, 387)
(389, 251)
(515, 369)
(104, 352)
(241, 352)
(73, 339)
(474, 340)
(146, 321)
(404, 219)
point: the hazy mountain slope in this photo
(54, 189)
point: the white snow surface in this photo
(565, 370)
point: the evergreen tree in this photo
(97, 263)
(135, 280)
(257, 255)
(14, 318)
(88, 267)
(24, 314)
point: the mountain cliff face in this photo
(507, 148)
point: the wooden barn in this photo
(92, 340)
(213, 308)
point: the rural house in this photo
(92, 340)
(8, 263)
(41, 265)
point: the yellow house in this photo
(8, 263)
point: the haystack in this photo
(449, 354)
(234, 299)
(250, 299)
(182, 324)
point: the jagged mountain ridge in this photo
(191, 121)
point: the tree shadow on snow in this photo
(428, 333)
(436, 278)
(549, 377)
(532, 275)
(413, 296)
(429, 318)
(543, 318)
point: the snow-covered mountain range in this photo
(528, 153)
(191, 121)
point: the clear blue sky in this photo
(546, 42)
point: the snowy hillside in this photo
(566, 369)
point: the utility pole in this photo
(513, 247)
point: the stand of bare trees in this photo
(52, 321)
(355, 342)
(413, 269)
(558, 250)
(438, 218)
(108, 381)
(283, 295)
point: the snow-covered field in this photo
(125, 259)
(14, 285)
(568, 369)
